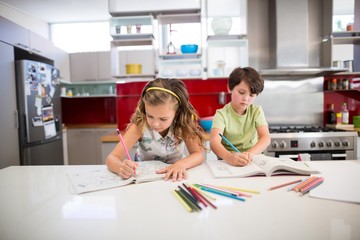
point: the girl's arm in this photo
(263, 141)
(115, 160)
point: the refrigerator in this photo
(39, 113)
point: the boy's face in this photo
(160, 117)
(241, 97)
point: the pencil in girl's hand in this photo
(123, 144)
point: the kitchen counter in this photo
(99, 125)
(32, 195)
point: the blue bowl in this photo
(206, 123)
(189, 48)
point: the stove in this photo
(320, 143)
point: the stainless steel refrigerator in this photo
(39, 113)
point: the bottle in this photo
(338, 118)
(344, 114)
(331, 116)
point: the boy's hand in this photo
(239, 159)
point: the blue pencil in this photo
(222, 193)
(228, 142)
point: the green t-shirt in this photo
(240, 130)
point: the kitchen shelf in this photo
(133, 40)
(351, 93)
(180, 57)
(91, 96)
(350, 37)
(226, 37)
(179, 18)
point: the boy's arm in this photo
(263, 140)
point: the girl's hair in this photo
(174, 90)
(248, 75)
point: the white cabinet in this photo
(133, 43)
(90, 66)
(84, 145)
(9, 140)
(178, 30)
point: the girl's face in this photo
(160, 117)
(241, 97)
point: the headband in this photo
(165, 90)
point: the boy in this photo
(239, 121)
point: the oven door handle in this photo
(336, 155)
(293, 156)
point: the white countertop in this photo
(36, 203)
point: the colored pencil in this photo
(229, 143)
(123, 144)
(203, 195)
(188, 202)
(193, 192)
(241, 189)
(222, 193)
(304, 183)
(227, 190)
(191, 199)
(182, 201)
(284, 184)
(312, 185)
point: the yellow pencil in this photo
(203, 193)
(241, 189)
(182, 201)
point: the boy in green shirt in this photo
(239, 121)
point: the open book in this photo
(261, 166)
(99, 177)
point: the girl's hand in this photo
(239, 159)
(127, 169)
(175, 171)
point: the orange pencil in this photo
(284, 184)
(306, 182)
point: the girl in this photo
(163, 123)
(239, 121)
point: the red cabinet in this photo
(204, 96)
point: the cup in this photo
(138, 28)
(128, 29)
(118, 29)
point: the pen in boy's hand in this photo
(229, 143)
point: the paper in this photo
(342, 181)
(99, 177)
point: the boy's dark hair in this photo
(248, 75)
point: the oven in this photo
(317, 143)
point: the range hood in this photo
(296, 39)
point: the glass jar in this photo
(333, 84)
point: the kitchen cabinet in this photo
(226, 52)
(84, 145)
(23, 38)
(133, 43)
(177, 64)
(334, 39)
(9, 140)
(90, 66)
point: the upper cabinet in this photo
(180, 52)
(187, 39)
(90, 66)
(23, 38)
(227, 43)
(342, 34)
(132, 44)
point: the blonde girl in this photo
(163, 123)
